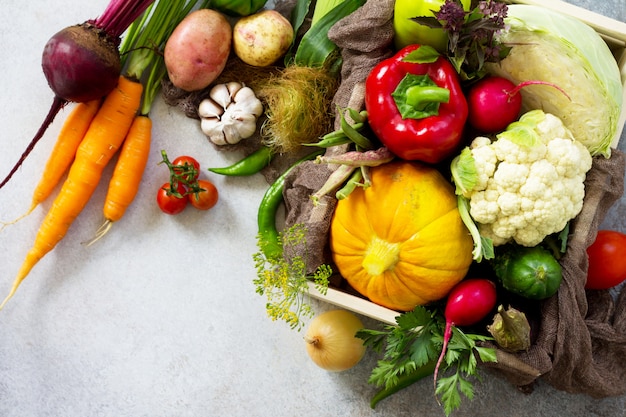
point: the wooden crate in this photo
(613, 32)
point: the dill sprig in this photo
(284, 282)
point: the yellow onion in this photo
(331, 340)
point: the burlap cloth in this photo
(580, 340)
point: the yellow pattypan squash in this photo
(401, 241)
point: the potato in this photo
(197, 50)
(262, 38)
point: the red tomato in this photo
(206, 199)
(170, 203)
(187, 165)
(607, 260)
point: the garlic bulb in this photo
(230, 113)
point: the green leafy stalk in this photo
(465, 176)
(142, 45)
(414, 343)
(464, 172)
(315, 47)
(483, 246)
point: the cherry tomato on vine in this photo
(205, 199)
(170, 203)
(607, 260)
(187, 166)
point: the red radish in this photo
(468, 303)
(495, 102)
(82, 62)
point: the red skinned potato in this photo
(262, 38)
(196, 52)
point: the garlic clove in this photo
(253, 107)
(243, 94)
(221, 95)
(213, 129)
(209, 109)
(233, 88)
(247, 127)
(232, 134)
(248, 102)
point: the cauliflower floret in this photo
(509, 203)
(571, 158)
(534, 186)
(510, 177)
(552, 127)
(485, 160)
(508, 151)
(484, 206)
(487, 231)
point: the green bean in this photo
(353, 182)
(269, 242)
(358, 117)
(249, 165)
(360, 140)
(330, 141)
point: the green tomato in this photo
(237, 7)
(408, 32)
(531, 272)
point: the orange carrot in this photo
(105, 135)
(70, 136)
(127, 175)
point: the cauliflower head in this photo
(525, 185)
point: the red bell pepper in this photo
(415, 105)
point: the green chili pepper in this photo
(249, 165)
(403, 382)
(269, 242)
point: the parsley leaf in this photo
(416, 342)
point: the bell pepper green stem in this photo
(418, 96)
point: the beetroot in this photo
(82, 62)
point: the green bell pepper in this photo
(408, 32)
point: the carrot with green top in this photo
(104, 137)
